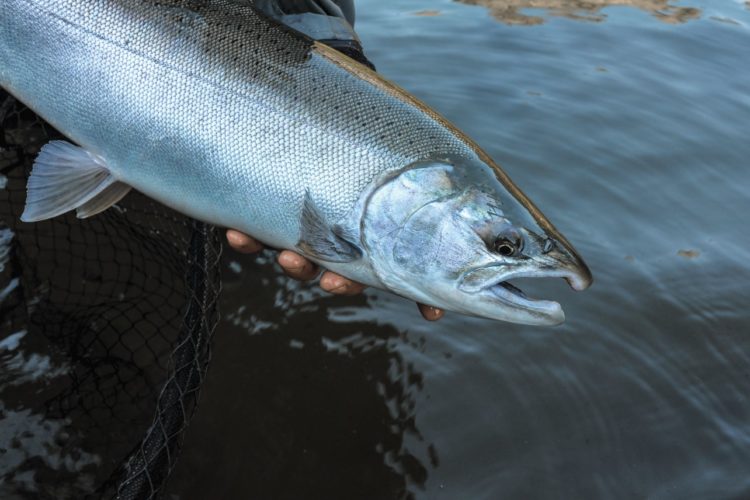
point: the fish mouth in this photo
(547, 312)
(492, 286)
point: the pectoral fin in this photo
(320, 240)
(66, 177)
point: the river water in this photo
(626, 122)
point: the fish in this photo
(223, 114)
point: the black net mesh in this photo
(116, 315)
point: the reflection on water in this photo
(632, 136)
(89, 311)
(511, 11)
(303, 406)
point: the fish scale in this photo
(229, 91)
(227, 116)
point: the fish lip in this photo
(548, 311)
(497, 289)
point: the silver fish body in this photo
(226, 116)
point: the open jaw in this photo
(501, 299)
(509, 294)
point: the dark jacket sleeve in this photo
(337, 8)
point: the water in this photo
(627, 125)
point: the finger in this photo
(335, 283)
(296, 266)
(430, 313)
(242, 242)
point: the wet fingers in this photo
(242, 242)
(335, 283)
(296, 266)
(430, 313)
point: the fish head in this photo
(452, 234)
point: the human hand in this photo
(298, 267)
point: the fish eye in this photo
(507, 247)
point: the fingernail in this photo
(290, 261)
(339, 286)
(233, 238)
(333, 283)
(433, 313)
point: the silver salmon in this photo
(221, 113)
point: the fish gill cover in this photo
(105, 336)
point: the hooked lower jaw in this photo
(491, 286)
(532, 311)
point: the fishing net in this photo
(105, 335)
